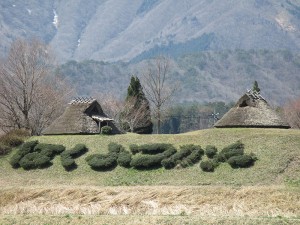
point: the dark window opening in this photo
(243, 104)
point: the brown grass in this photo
(203, 201)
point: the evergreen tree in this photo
(255, 87)
(136, 116)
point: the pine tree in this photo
(136, 116)
(255, 87)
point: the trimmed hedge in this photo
(26, 148)
(153, 149)
(241, 161)
(229, 151)
(67, 157)
(34, 160)
(207, 166)
(115, 148)
(183, 157)
(101, 161)
(134, 149)
(116, 155)
(76, 151)
(49, 150)
(124, 159)
(149, 161)
(211, 151)
(68, 162)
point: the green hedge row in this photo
(32, 155)
(68, 156)
(232, 154)
(187, 155)
(149, 149)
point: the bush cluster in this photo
(150, 149)
(25, 149)
(124, 159)
(211, 151)
(241, 161)
(187, 155)
(33, 155)
(229, 151)
(34, 160)
(67, 156)
(50, 150)
(102, 161)
(232, 154)
(207, 166)
(116, 156)
(151, 161)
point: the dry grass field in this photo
(267, 193)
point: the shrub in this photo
(153, 149)
(4, 149)
(34, 160)
(14, 138)
(106, 130)
(101, 161)
(211, 151)
(15, 159)
(150, 161)
(11, 140)
(67, 156)
(234, 149)
(49, 150)
(195, 156)
(67, 162)
(124, 159)
(134, 149)
(241, 161)
(75, 152)
(27, 147)
(184, 152)
(207, 166)
(115, 148)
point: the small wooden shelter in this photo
(252, 110)
(82, 116)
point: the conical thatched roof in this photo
(252, 110)
(82, 116)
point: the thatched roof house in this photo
(252, 110)
(82, 116)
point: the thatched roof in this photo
(252, 110)
(82, 116)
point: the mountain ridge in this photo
(123, 30)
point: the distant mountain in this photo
(133, 30)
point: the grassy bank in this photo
(267, 193)
(278, 153)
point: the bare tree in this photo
(292, 113)
(30, 94)
(133, 114)
(156, 88)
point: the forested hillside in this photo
(203, 77)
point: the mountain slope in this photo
(203, 77)
(111, 30)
